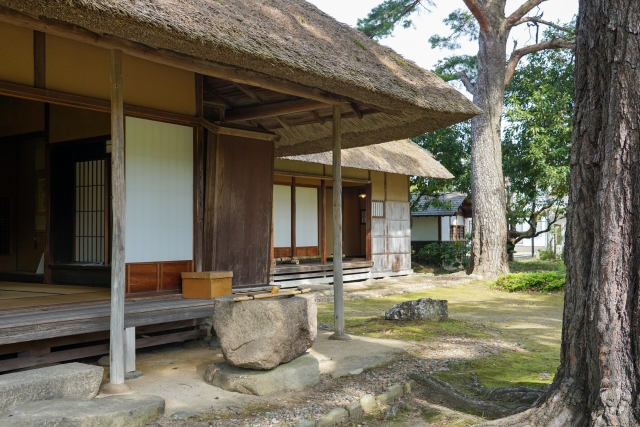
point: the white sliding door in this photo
(306, 216)
(281, 216)
(159, 183)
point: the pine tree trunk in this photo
(489, 232)
(597, 383)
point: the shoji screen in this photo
(159, 181)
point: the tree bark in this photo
(489, 232)
(597, 383)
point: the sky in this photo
(413, 43)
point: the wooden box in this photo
(206, 285)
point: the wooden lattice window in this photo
(457, 232)
(5, 230)
(377, 209)
(90, 211)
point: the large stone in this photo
(295, 375)
(263, 333)
(422, 309)
(115, 411)
(68, 381)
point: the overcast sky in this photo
(413, 43)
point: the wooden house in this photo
(441, 224)
(137, 142)
(376, 215)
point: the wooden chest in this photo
(207, 284)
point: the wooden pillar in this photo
(369, 220)
(338, 290)
(130, 349)
(323, 221)
(294, 249)
(116, 374)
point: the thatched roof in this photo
(290, 40)
(403, 157)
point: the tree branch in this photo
(518, 54)
(542, 21)
(522, 11)
(467, 83)
(479, 12)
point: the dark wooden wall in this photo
(238, 204)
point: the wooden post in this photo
(294, 249)
(338, 290)
(116, 374)
(369, 220)
(130, 349)
(323, 220)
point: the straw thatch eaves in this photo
(281, 45)
(402, 157)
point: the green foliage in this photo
(383, 18)
(462, 24)
(452, 147)
(448, 68)
(537, 138)
(533, 265)
(528, 282)
(448, 254)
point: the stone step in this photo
(114, 411)
(68, 381)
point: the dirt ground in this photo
(494, 338)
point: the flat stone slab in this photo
(68, 381)
(298, 374)
(115, 411)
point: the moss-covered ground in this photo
(533, 321)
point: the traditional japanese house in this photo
(445, 222)
(137, 142)
(376, 215)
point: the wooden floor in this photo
(14, 295)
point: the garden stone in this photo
(182, 415)
(406, 388)
(132, 375)
(264, 333)
(306, 423)
(335, 416)
(355, 410)
(298, 374)
(368, 403)
(129, 411)
(71, 380)
(391, 394)
(422, 309)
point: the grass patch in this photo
(533, 265)
(533, 320)
(360, 45)
(530, 282)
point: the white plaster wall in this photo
(424, 228)
(446, 231)
(159, 191)
(306, 216)
(282, 216)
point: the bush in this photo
(528, 282)
(447, 254)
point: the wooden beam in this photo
(218, 96)
(94, 104)
(294, 249)
(275, 109)
(283, 122)
(354, 108)
(48, 243)
(167, 57)
(116, 374)
(323, 221)
(199, 95)
(249, 93)
(39, 60)
(223, 129)
(321, 177)
(338, 290)
(319, 119)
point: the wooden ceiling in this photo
(269, 110)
